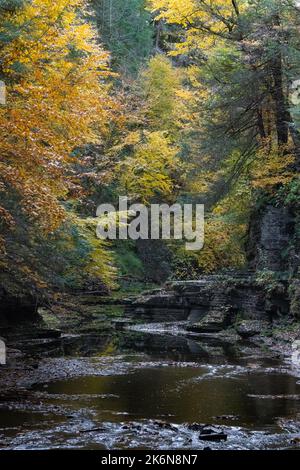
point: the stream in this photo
(150, 387)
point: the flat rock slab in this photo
(250, 328)
(214, 322)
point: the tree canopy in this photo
(165, 100)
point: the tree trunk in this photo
(281, 108)
(260, 124)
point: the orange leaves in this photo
(6, 219)
(38, 202)
(57, 103)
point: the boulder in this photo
(214, 322)
(250, 328)
(16, 309)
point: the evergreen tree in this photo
(126, 30)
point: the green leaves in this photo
(127, 31)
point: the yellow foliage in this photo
(202, 181)
(57, 101)
(100, 264)
(271, 167)
(226, 229)
(204, 22)
(166, 99)
(222, 248)
(152, 169)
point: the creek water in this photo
(145, 388)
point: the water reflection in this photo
(185, 394)
(157, 376)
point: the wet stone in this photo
(227, 418)
(213, 437)
(214, 322)
(195, 427)
(250, 328)
(153, 387)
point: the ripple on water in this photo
(86, 434)
(118, 401)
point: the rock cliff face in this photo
(270, 235)
(214, 303)
(15, 309)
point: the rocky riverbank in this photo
(61, 335)
(147, 385)
(232, 308)
(239, 306)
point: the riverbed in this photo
(148, 387)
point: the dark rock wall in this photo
(15, 309)
(270, 233)
(156, 258)
(274, 245)
(294, 295)
(214, 301)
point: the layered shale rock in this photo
(271, 230)
(248, 301)
(214, 303)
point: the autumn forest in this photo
(166, 101)
(141, 342)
